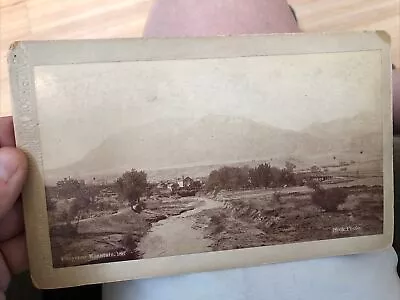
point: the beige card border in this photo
(23, 56)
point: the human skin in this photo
(13, 171)
(179, 18)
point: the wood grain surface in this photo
(56, 19)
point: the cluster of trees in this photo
(264, 175)
(228, 178)
(132, 185)
(69, 187)
(81, 199)
(233, 178)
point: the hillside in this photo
(217, 139)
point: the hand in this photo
(13, 169)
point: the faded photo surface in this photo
(161, 158)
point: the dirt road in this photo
(175, 235)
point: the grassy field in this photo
(255, 218)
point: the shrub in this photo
(63, 217)
(130, 241)
(217, 223)
(329, 199)
(315, 169)
(51, 204)
(276, 197)
(106, 205)
(287, 178)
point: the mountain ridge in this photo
(217, 139)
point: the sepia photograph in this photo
(146, 159)
(164, 157)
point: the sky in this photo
(80, 105)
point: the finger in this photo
(12, 224)
(5, 275)
(7, 138)
(15, 254)
(13, 169)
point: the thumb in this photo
(13, 170)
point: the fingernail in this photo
(8, 167)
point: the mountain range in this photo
(218, 139)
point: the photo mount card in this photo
(160, 157)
